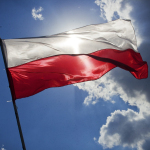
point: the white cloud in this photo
(94, 139)
(2, 148)
(126, 128)
(101, 88)
(36, 13)
(114, 9)
(92, 9)
(110, 8)
(107, 88)
(9, 101)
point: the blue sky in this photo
(108, 113)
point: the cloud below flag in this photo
(86, 53)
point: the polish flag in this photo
(86, 53)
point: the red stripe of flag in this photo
(33, 77)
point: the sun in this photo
(74, 42)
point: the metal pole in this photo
(19, 126)
(14, 104)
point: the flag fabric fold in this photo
(87, 53)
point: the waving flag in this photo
(87, 53)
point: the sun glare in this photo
(74, 42)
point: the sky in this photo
(111, 113)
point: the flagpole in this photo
(14, 104)
(19, 126)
